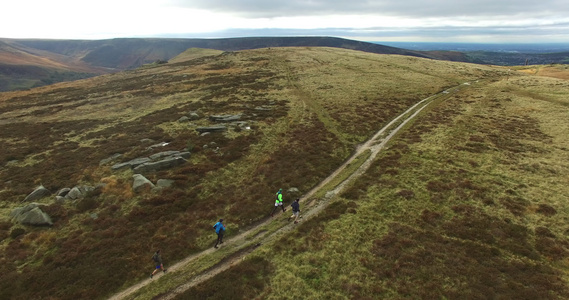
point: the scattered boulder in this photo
(194, 116)
(79, 192)
(63, 192)
(141, 183)
(224, 118)
(31, 214)
(164, 183)
(74, 193)
(37, 194)
(262, 108)
(219, 128)
(183, 119)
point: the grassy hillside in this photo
(468, 162)
(468, 202)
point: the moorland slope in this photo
(462, 186)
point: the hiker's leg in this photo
(282, 206)
(274, 208)
(221, 237)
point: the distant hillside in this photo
(31, 63)
(23, 67)
(104, 56)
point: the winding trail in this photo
(247, 241)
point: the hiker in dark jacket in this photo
(295, 210)
(158, 262)
(219, 229)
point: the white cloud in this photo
(470, 20)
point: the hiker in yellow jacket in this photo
(278, 202)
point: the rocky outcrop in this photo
(31, 214)
(37, 194)
(155, 162)
(163, 164)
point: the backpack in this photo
(155, 257)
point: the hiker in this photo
(219, 229)
(158, 262)
(295, 210)
(278, 202)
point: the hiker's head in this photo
(158, 251)
(220, 220)
(280, 190)
(297, 199)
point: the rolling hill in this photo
(466, 200)
(31, 63)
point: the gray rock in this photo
(59, 199)
(194, 116)
(37, 194)
(163, 154)
(184, 119)
(131, 163)
(35, 217)
(205, 133)
(293, 190)
(140, 183)
(74, 194)
(63, 192)
(164, 183)
(219, 128)
(110, 159)
(160, 165)
(31, 214)
(224, 118)
(85, 189)
(147, 141)
(261, 108)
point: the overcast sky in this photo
(478, 21)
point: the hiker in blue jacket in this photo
(219, 229)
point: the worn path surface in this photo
(250, 239)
